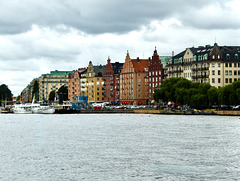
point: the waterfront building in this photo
(155, 74)
(134, 81)
(216, 65)
(111, 82)
(74, 83)
(94, 88)
(52, 82)
(25, 94)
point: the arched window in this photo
(213, 57)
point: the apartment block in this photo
(94, 86)
(74, 83)
(216, 65)
(52, 82)
(133, 81)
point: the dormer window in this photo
(218, 56)
(236, 56)
(228, 56)
(213, 57)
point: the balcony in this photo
(202, 76)
(178, 71)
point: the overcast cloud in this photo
(39, 36)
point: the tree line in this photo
(197, 95)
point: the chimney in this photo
(137, 59)
(172, 53)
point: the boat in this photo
(23, 108)
(5, 110)
(43, 110)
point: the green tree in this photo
(52, 96)
(199, 101)
(35, 91)
(212, 96)
(159, 94)
(64, 91)
(5, 93)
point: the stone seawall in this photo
(227, 113)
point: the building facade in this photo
(52, 82)
(216, 65)
(74, 83)
(94, 89)
(133, 81)
(111, 82)
(155, 74)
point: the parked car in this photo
(134, 107)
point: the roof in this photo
(56, 72)
(99, 70)
(117, 67)
(140, 65)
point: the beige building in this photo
(216, 65)
(52, 81)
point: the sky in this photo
(37, 37)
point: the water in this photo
(119, 147)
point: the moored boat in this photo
(43, 110)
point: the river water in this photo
(119, 147)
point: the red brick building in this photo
(111, 82)
(155, 74)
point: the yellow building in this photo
(93, 85)
(52, 82)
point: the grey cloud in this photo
(95, 17)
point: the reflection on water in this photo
(119, 147)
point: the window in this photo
(139, 85)
(230, 64)
(235, 79)
(236, 56)
(213, 64)
(230, 72)
(219, 80)
(213, 57)
(218, 56)
(226, 72)
(235, 64)
(226, 64)
(235, 72)
(226, 80)
(219, 65)
(219, 72)
(139, 80)
(238, 72)
(228, 56)
(230, 80)
(213, 80)
(213, 72)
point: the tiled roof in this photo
(140, 65)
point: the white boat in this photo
(43, 110)
(23, 108)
